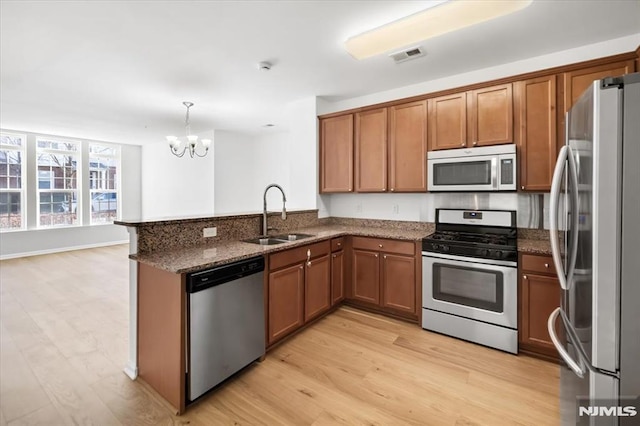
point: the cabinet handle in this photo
(308, 254)
(524, 277)
(380, 245)
(546, 265)
(309, 264)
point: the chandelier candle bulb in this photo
(175, 143)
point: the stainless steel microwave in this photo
(487, 168)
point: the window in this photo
(12, 182)
(104, 164)
(57, 173)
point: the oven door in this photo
(465, 287)
(463, 174)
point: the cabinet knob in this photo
(475, 143)
(546, 265)
(339, 244)
(384, 257)
(462, 144)
(334, 256)
(524, 277)
(522, 187)
(380, 245)
(350, 189)
(301, 267)
(392, 189)
(384, 189)
(308, 263)
(376, 255)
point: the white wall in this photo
(421, 207)
(176, 187)
(244, 166)
(48, 240)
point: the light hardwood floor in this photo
(64, 330)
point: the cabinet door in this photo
(366, 276)
(448, 122)
(408, 147)
(286, 301)
(336, 154)
(576, 82)
(337, 277)
(399, 283)
(491, 110)
(371, 151)
(536, 128)
(317, 292)
(540, 295)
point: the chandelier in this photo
(176, 145)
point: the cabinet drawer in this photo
(541, 264)
(337, 244)
(298, 254)
(387, 246)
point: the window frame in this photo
(22, 148)
(79, 184)
(117, 156)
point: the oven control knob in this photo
(435, 246)
(444, 248)
(485, 252)
(498, 254)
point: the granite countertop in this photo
(534, 246)
(185, 260)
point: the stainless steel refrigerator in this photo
(595, 241)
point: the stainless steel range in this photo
(469, 277)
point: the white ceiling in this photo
(119, 70)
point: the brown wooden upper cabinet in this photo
(371, 151)
(408, 147)
(479, 117)
(535, 122)
(336, 154)
(391, 149)
(576, 82)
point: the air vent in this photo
(407, 54)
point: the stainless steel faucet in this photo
(264, 210)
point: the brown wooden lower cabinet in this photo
(337, 277)
(299, 288)
(286, 301)
(539, 295)
(382, 279)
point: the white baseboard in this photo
(131, 370)
(61, 249)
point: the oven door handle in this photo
(573, 365)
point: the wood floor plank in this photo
(46, 416)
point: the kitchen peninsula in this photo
(164, 252)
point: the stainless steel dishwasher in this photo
(226, 322)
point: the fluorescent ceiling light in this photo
(441, 19)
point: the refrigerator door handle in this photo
(553, 215)
(575, 216)
(579, 371)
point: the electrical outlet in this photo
(359, 208)
(210, 232)
(396, 209)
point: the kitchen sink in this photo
(291, 237)
(265, 241)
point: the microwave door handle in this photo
(578, 370)
(494, 172)
(554, 238)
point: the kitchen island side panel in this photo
(161, 332)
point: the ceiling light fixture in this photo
(441, 19)
(176, 144)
